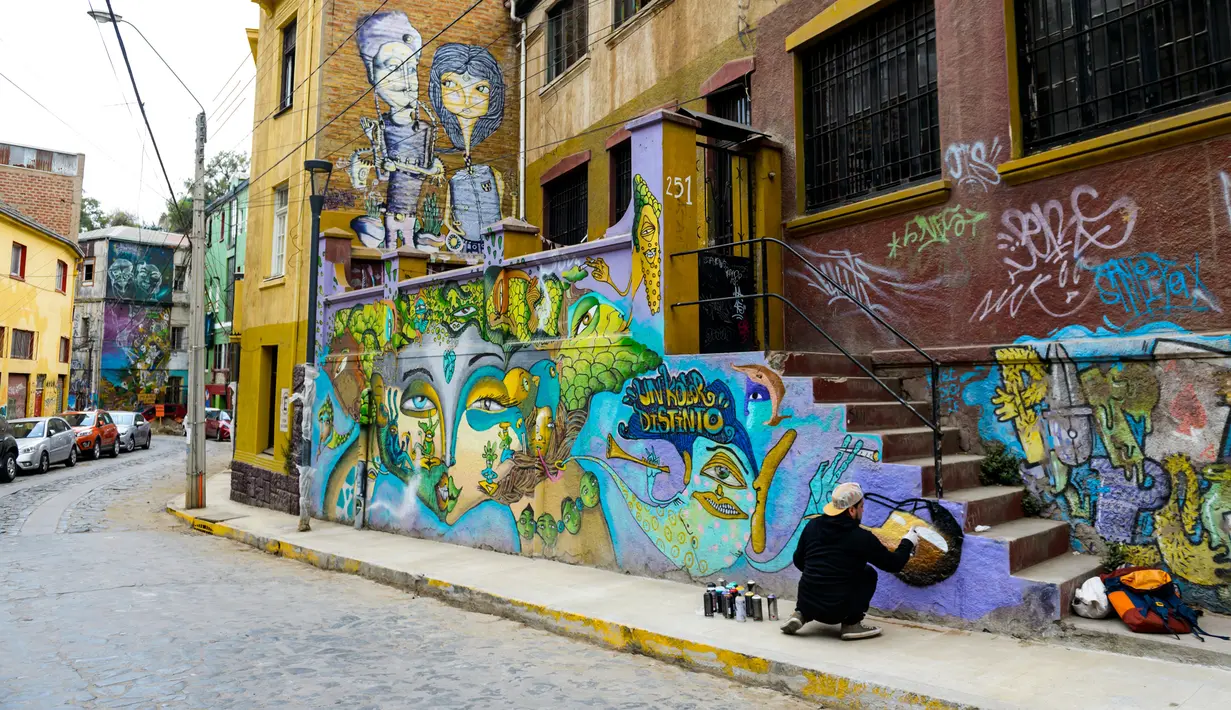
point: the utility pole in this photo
(194, 495)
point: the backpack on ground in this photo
(1148, 602)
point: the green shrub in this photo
(1032, 507)
(999, 466)
(1114, 556)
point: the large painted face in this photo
(448, 428)
(395, 74)
(465, 96)
(149, 279)
(646, 231)
(120, 274)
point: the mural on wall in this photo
(1126, 436)
(527, 407)
(419, 207)
(136, 351)
(139, 273)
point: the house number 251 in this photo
(680, 188)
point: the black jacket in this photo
(832, 552)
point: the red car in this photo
(217, 424)
(96, 433)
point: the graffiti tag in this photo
(680, 408)
(1149, 285)
(974, 163)
(922, 231)
(1047, 247)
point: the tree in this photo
(120, 218)
(92, 215)
(220, 171)
(179, 221)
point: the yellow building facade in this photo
(271, 301)
(37, 282)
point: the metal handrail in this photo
(934, 365)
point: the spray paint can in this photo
(771, 607)
(741, 608)
(708, 601)
(751, 586)
(758, 613)
(722, 583)
(730, 596)
(720, 600)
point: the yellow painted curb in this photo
(832, 690)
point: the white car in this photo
(43, 441)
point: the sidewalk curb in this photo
(833, 690)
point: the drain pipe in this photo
(521, 116)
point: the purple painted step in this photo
(959, 471)
(987, 505)
(868, 416)
(1031, 540)
(854, 389)
(914, 442)
(831, 364)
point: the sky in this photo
(57, 54)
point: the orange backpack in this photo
(1148, 602)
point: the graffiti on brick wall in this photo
(1048, 247)
(136, 351)
(922, 231)
(420, 205)
(974, 164)
(1148, 287)
(1134, 452)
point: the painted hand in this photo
(599, 270)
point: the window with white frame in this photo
(277, 255)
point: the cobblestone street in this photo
(115, 605)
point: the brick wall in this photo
(49, 199)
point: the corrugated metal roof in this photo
(138, 235)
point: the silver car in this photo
(43, 441)
(133, 429)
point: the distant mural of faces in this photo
(140, 273)
(418, 206)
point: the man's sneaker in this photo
(793, 624)
(854, 632)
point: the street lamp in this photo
(103, 17)
(318, 176)
(194, 493)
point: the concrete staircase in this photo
(1038, 548)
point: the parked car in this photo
(96, 433)
(134, 430)
(8, 452)
(169, 411)
(43, 441)
(217, 424)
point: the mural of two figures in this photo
(422, 204)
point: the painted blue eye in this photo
(417, 404)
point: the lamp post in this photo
(194, 493)
(318, 175)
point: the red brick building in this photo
(44, 184)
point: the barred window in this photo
(566, 198)
(870, 117)
(23, 345)
(566, 35)
(621, 157)
(1092, 66)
